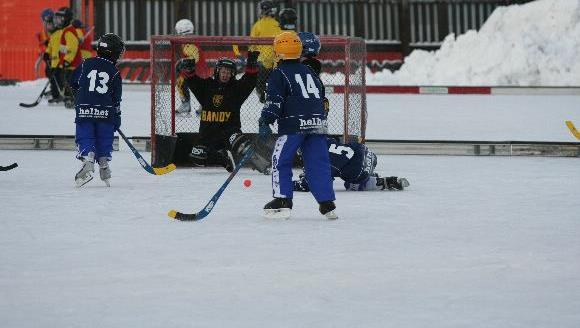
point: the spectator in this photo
(43, 36)
(265, 26)
(70, 54)
(52, 57)
(189, 51)
(85, 38)
(288, 19)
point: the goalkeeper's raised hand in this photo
(185, 67)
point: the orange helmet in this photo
(287, 45)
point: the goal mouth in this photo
(174, 129)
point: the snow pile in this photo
(536, 44)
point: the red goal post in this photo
(343, 74)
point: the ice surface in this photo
(474, 242)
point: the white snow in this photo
(536, 44)
(473, 242)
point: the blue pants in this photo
(96, 137)
(316, 165)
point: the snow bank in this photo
(536, 44)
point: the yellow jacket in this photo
(53, 48)
(265, 27)
(85, 51)
(69, 47)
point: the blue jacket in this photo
(352, 162)
(295, 99)
(98, 90)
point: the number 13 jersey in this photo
(98, 87)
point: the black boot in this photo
(278, 208)
(226, 159)
(327, 209)
(392, 183)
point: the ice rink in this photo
(474, 242)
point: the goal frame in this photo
(343, 58)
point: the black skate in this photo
(278, 208)
(327, 209)
(392, 183)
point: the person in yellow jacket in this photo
(188, 51)
(265, 26)
(85, 39)
(52, 57)
(70, 53)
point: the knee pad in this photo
(198, 155)
(239, 143)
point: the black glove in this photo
(46, 57)
(117, 121)
(185, 66)
(252, 58)
(264, 129)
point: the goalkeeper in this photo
(221, 97)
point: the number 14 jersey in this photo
(295, 98)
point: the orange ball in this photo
(247, 183)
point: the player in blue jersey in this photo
(97, 87)
(310, 49)
(354, 163)
(294, 99)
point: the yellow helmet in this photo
(287, 45)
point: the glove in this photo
(186, 67)
(117, 121)
(252, 58)
(264, 129)
(45, 57)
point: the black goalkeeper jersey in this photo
(220, 104)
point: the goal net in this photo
(174, 133)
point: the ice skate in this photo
(55, 101)
(327, 209)
(85, 174)
(279, 208)
(69, 103)
(392, 183)
(105, 171)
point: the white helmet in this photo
(184, 27)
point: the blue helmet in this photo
(310, 44)
(46, 15)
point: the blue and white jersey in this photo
(98, 87)
(352, 162)
(295, 99)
